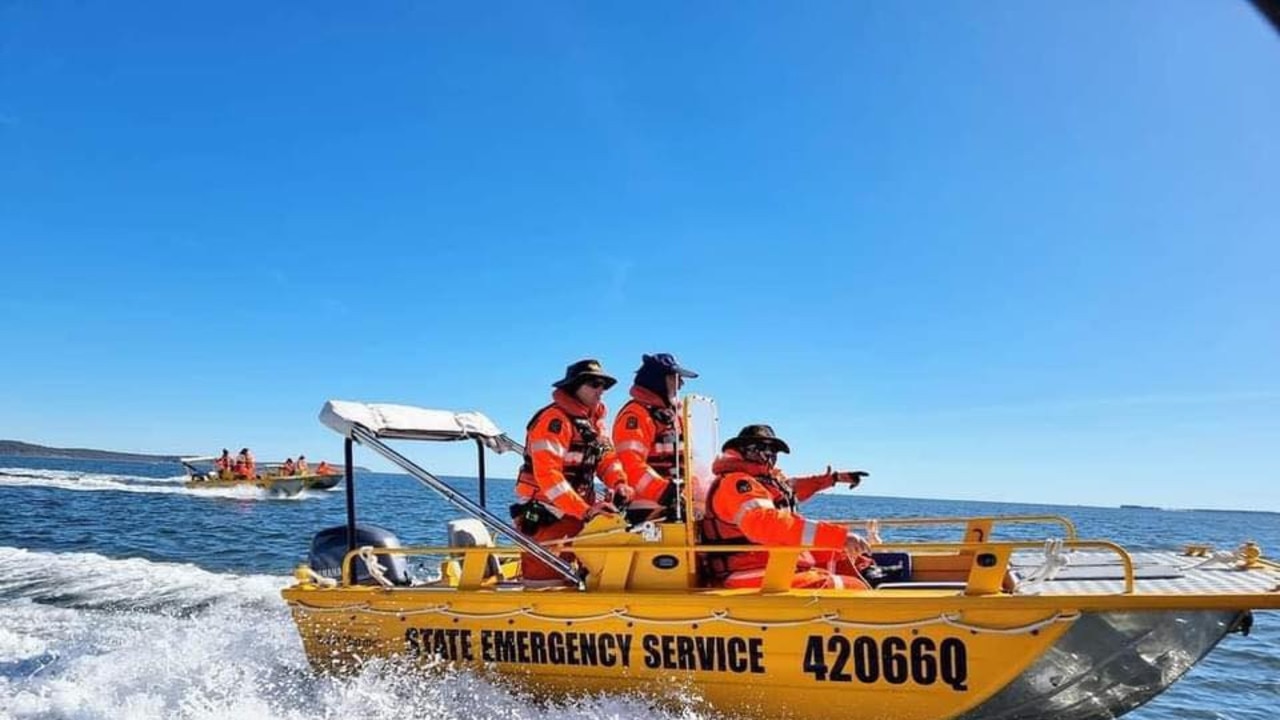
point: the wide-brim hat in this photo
(665, 363)
(756, 435)
(583, 370)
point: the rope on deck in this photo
(832, 619)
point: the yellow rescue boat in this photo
(978, 628)
(270, 482)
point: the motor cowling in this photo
(329, 546)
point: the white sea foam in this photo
(95, 482)
(88, 637)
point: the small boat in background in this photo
(270, 481)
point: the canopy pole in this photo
(351, 497)
(480, 466)
(366, 437)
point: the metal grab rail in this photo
(1068, 526)
(348, 560)
(1125, 559)
(364, 436)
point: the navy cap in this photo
(666, 362)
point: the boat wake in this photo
(93, 482)
(94, 637)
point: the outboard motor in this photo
(329, 546)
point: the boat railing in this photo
(986, 569)
(977, 529)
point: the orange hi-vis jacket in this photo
(222, 464)
(750, 503)
(245, 466)
(648, 437)
(565, 449)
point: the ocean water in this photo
(125, 595)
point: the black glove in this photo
(852, 477)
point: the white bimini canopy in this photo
(406, 422)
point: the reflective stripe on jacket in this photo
(565, 449)
(648, 438)
(743, 508)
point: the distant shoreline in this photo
(19, 449)
(16, 448)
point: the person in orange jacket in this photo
(288, 468)
(565, 449)
(752, 502)
(222, 465)
(245, 466)
(649, 439)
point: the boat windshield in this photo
(702, 438)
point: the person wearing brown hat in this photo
(752, 502)
(566, 448)
(649, 438)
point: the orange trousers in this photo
(531, 568)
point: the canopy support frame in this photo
(368, 438)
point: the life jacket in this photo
(587, 448)
(639, 454)
(222, 464)
(716, 530)
(248, 468)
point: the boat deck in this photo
(1100, 573)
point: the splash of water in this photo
(97, 482)
(88, 637)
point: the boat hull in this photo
(917, 659)
(1109, 663)
(920, 661)
(320, 482)
(278, 486)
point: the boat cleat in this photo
(1250, 555)
(648, 531)
(1198, 550)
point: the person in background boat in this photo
(648, 437)
(245, 466)
(222, 465)
(565, 449)
(324, 468)
(752, 502)
(301, 468)
(288, 468)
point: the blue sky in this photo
(988, 250)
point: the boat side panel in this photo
(923, 669)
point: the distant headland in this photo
(15, 448)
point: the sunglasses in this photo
(596, 384)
